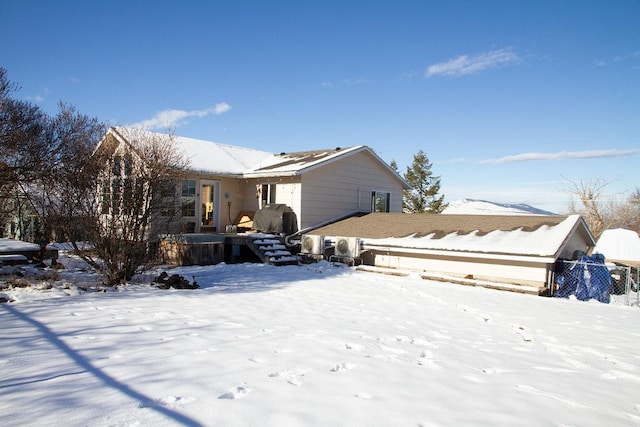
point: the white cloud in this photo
(410, 75)
(465, 64)
(627, 56)
(177, 118)
(356, 81)
(346, 82)
(562, 155)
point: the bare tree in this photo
(597, 212)
(22, 144)
(136, 201)
(627, 215)
(60, 183)
(71, 188)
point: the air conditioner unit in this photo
(347, 247)
(312, 244)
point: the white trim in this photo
(459, 254)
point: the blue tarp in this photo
(588, 278)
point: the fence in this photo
(593, 280)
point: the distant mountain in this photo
(483, 207)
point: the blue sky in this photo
(512, 101)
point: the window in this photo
(105, 206)
(380, 201)
(112, 187)
(116, 194)
(268, 194)
(128, 201)
(128, 165)
(116, 167)
(167, 197)
(189, 197)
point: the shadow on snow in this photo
(253, 277)
(96, 372)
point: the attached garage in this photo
(518, 250)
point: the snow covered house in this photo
(226, 185)
(516, 252)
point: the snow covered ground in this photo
(314, 345)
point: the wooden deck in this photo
(213, 248)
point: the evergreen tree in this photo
(423, 196)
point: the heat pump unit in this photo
(347, 247)
(312, 244)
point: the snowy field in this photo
(314, 345)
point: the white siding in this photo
(523, 273)
(290, 195)
(288, 191)
(345, 186)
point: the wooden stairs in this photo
(271, 250)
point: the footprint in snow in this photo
(354, 347)
(365, 396)
(426, 359)
(293, 376)
(524, 332)
(171, 401)
(341, 367)
(236, 393)
(295, 381)
(84, 337)
(494, 371)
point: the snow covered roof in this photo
(222, 159)
(296, 163)
(208, 156)
(293, 163)
(498, 234)
(212, 157)
(619, 245)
